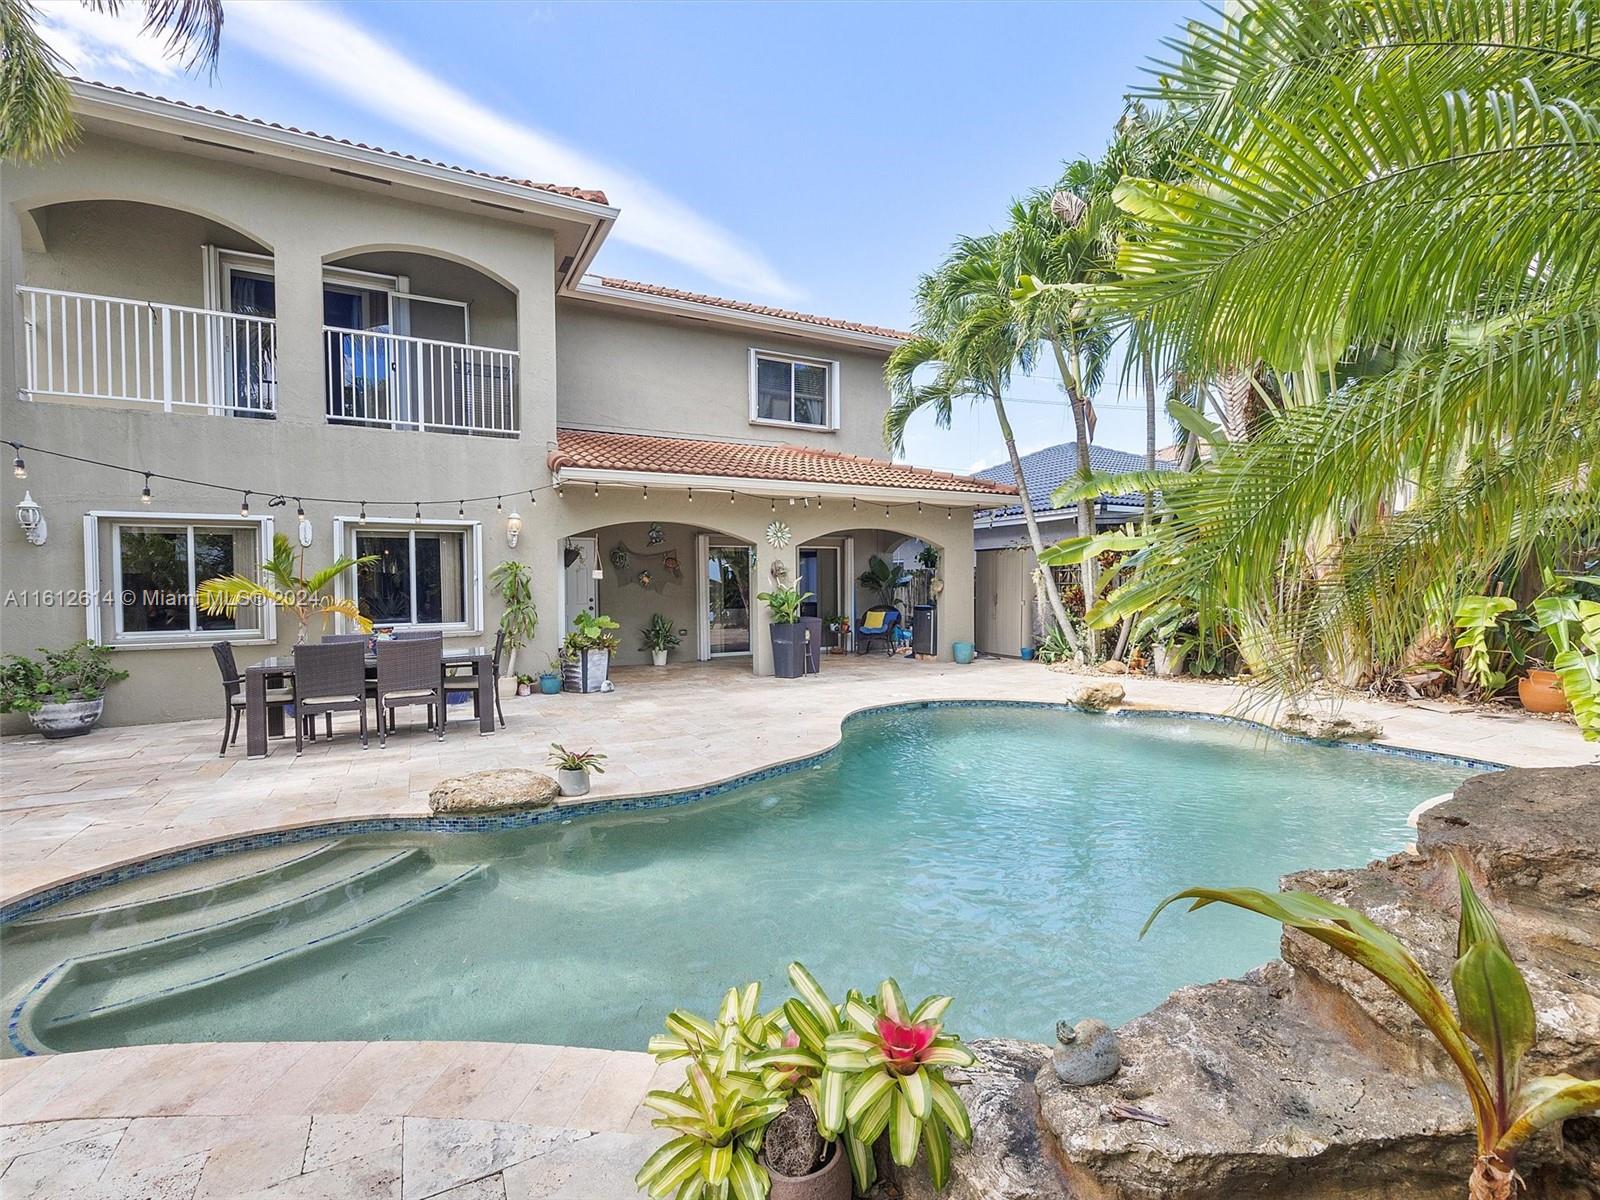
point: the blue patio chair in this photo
(878, 622)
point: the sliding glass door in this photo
(728, 576)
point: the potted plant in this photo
(513, 583)
(788, 634)
(524, 685)
(550, 677)
(285, 583)
(586, 652)
(573, 768)
(63, 695)
(821, 1081)
(659, 637)
(840, 624)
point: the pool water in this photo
(1006, 856)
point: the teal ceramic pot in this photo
(1027, 654)
(549, 683)
(963, 651)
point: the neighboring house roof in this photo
(591, 450)
(760, 310)
(592, 195)
(1169, 454)
(1047, 469)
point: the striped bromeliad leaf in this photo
(718, 1117)
(739, 1031)
(1493, 1011)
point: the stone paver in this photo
(578, 1135)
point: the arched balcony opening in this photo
(127, 304)
(420, 341)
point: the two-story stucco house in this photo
(414, 357)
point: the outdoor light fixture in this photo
(244, 505)
(513, 528)
(144, 496)
(31, 517)
(18, 467)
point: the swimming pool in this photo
(1004, 855)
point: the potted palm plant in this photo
(285, 583)
(513, 583)
(788, 634)
(64, 694)
(586, 652)
(573, 768)
(659, 637)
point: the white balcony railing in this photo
(414, 383)
(104, 348)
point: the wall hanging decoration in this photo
(644, 579)
(645, 573)
(670, 561)
(656, 535)
(778, 535)
(619, 557)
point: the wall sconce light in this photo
(31, 517)
(513, 528)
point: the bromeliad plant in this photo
(1493, 1011)
(865, 1066)
(718, 1117)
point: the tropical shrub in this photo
(82, 671)
(659, 634)
(783, 604)
(1493, 1011)
(590, 632)
(884, 577)
(1573, 627)
(284, 582)
(1477, 618)
(512, 581)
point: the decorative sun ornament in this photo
(778, 534)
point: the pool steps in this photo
(250, 878)
(351, 890)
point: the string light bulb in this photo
(596, 491)
(419, 510)
(498, 506)
(461, 508)
(691, 495)
(299, 509)
(646, 492)
(774, 506)
(532, 499)
(947, 514)
(730, 495)
(363, 510)
(244, 505)
(18, 467)
(144, 496)
(791, 501)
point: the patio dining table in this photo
(262, 723)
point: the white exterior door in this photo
(579, 591)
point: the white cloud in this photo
(319, 43)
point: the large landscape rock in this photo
(1097, 696)
(504, 790)
(1329, 727)
(1307, 1080)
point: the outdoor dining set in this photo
(343, 673)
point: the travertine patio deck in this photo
(473, 1121)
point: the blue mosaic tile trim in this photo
(547, 816)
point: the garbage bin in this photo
(924, 634)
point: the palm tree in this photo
(285, 583)
(35, 103)
(1390, 209)
(968, 334)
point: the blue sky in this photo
(819, 156)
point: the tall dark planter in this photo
(788, 650)
(813, 640)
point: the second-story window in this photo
(793, 391)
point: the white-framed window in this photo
(798, 392)
(423, 574)
(141, 571)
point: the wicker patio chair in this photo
(410, 672)
(336, 638)
(329, 677)
(468, 681)
(415, 635)
(233, 699)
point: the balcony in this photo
(392, 381)
(108, 350)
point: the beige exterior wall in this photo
(635, 374)
(98, 238)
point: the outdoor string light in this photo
(18, 467)
(144, 496)
(244, 505)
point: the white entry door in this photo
(581, 593)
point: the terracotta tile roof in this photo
(743, 460)
(589, 194)
(760, 310)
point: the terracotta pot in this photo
(1541, 692)
(830, 1181)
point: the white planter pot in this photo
(573, 783)
(72, 719)
(658, 658)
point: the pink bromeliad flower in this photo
(906, 1044)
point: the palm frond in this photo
(35, 103)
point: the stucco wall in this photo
(649, 375)
(624, 600)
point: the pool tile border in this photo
(28, 905)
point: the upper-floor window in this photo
(785, 390)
